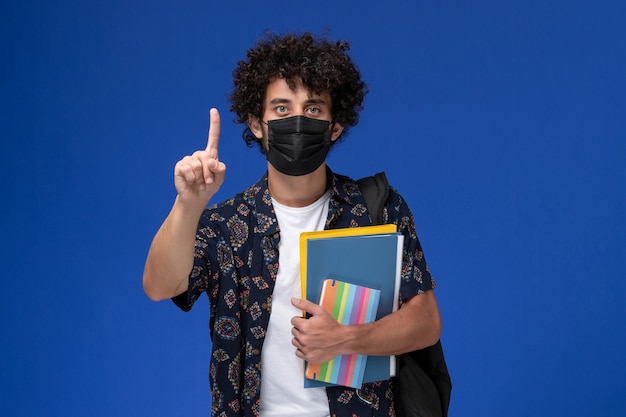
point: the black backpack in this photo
(422, 386)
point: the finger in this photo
(185, 170)
(208, 166)
(207, 171)
(198, 172)
(305, 305)
(214, 134)
(297, 322)
(296, 335)
(296, 343)
(199, 162)
(300, 354)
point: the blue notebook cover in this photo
(372, 261)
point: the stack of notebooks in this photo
(354, 274)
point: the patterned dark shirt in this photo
(236, 262)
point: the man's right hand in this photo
(170, 258)
(198, 177)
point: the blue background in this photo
(502, 123)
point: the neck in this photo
(299, 191)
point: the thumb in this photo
(305, 305)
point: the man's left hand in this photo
(317, 339)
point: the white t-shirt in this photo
(282, 385)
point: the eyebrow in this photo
(280, 101)
(315, 101)
(287, 101)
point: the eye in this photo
(281, 109)
(314, 110)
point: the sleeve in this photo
(416, 277)
(204, 258)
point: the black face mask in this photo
(297, 145)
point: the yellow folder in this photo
(348, 231)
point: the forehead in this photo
(280, 89)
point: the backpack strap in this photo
(375, 190)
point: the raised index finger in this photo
(214, 133)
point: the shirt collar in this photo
(342, 192)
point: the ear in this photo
(254, 123)
(336, 131)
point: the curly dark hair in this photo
(322, 65)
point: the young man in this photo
(298, 96)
